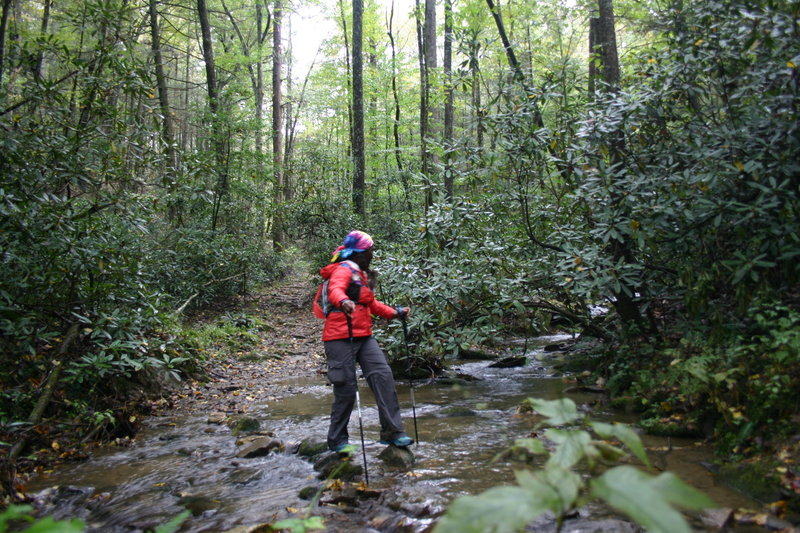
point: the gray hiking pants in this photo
(342, 374)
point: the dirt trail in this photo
(290, 348)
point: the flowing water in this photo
(183, 462)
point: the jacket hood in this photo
(327, 270)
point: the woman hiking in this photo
(347, 304)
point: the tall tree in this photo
(395, 96)
(429, 49)
(621, 249)
(254, 69)
(513, 62)
(4, 16)
(168, 128)
(607, 41)
(278, 235)
(349, 77)
(262, 29)
(38, 69)
(218, 139)
(475, 72)
(358, 108)
(448, 102)
(419, 17)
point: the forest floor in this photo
(288, 350)
(290, 347)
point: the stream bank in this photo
(186, 454)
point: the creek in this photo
(182, 462)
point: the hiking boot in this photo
(341, 448)
(400, 441)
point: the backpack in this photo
(322, 306)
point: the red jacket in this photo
(341, 276)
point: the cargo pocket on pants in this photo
(337, 372)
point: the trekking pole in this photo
(358, 397)
(410, 379)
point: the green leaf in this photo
(300, 525)
(534, 446)
(49, 525)
(609, 452)
(498, 510)
(647, 499)
(554, 487)
(677, 492)
(625, 435)
(557, 412)
(15, 512)
(572, 446)
(174, 524)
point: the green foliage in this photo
(230, 334)
(300, 525)
(460, 275)
(648, 500)
(95, 228)
(174, 524)
(14, 514)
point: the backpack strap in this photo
(322, 307)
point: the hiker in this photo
(347, 306)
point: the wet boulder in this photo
(243, 476)
(470, 354)
(716, 519)
(348, 496)
(311, 448)
(308, 493)
(510, 362)
(397, 457)
(216, 418)
(559, 346)
(244, 425)
(456, 411)
(337, 466)
(259, 447)
(197, 504)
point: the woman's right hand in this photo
(348, 306)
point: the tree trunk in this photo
(625, 301)
(3, 28)
(38, 69)
(358, 109)
(395, 96)
(474, 67)
(448, 104)
(217, 141)
(509, 49)
(429, 48)
(208, 57)
(168, 128)
(423, 94)
(607, 40)
(278, 236)
(519, 76)
(594, 57)
(288, 115)
(349, 77)
(48, 389)
(259, 91)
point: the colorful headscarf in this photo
(356, 241)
